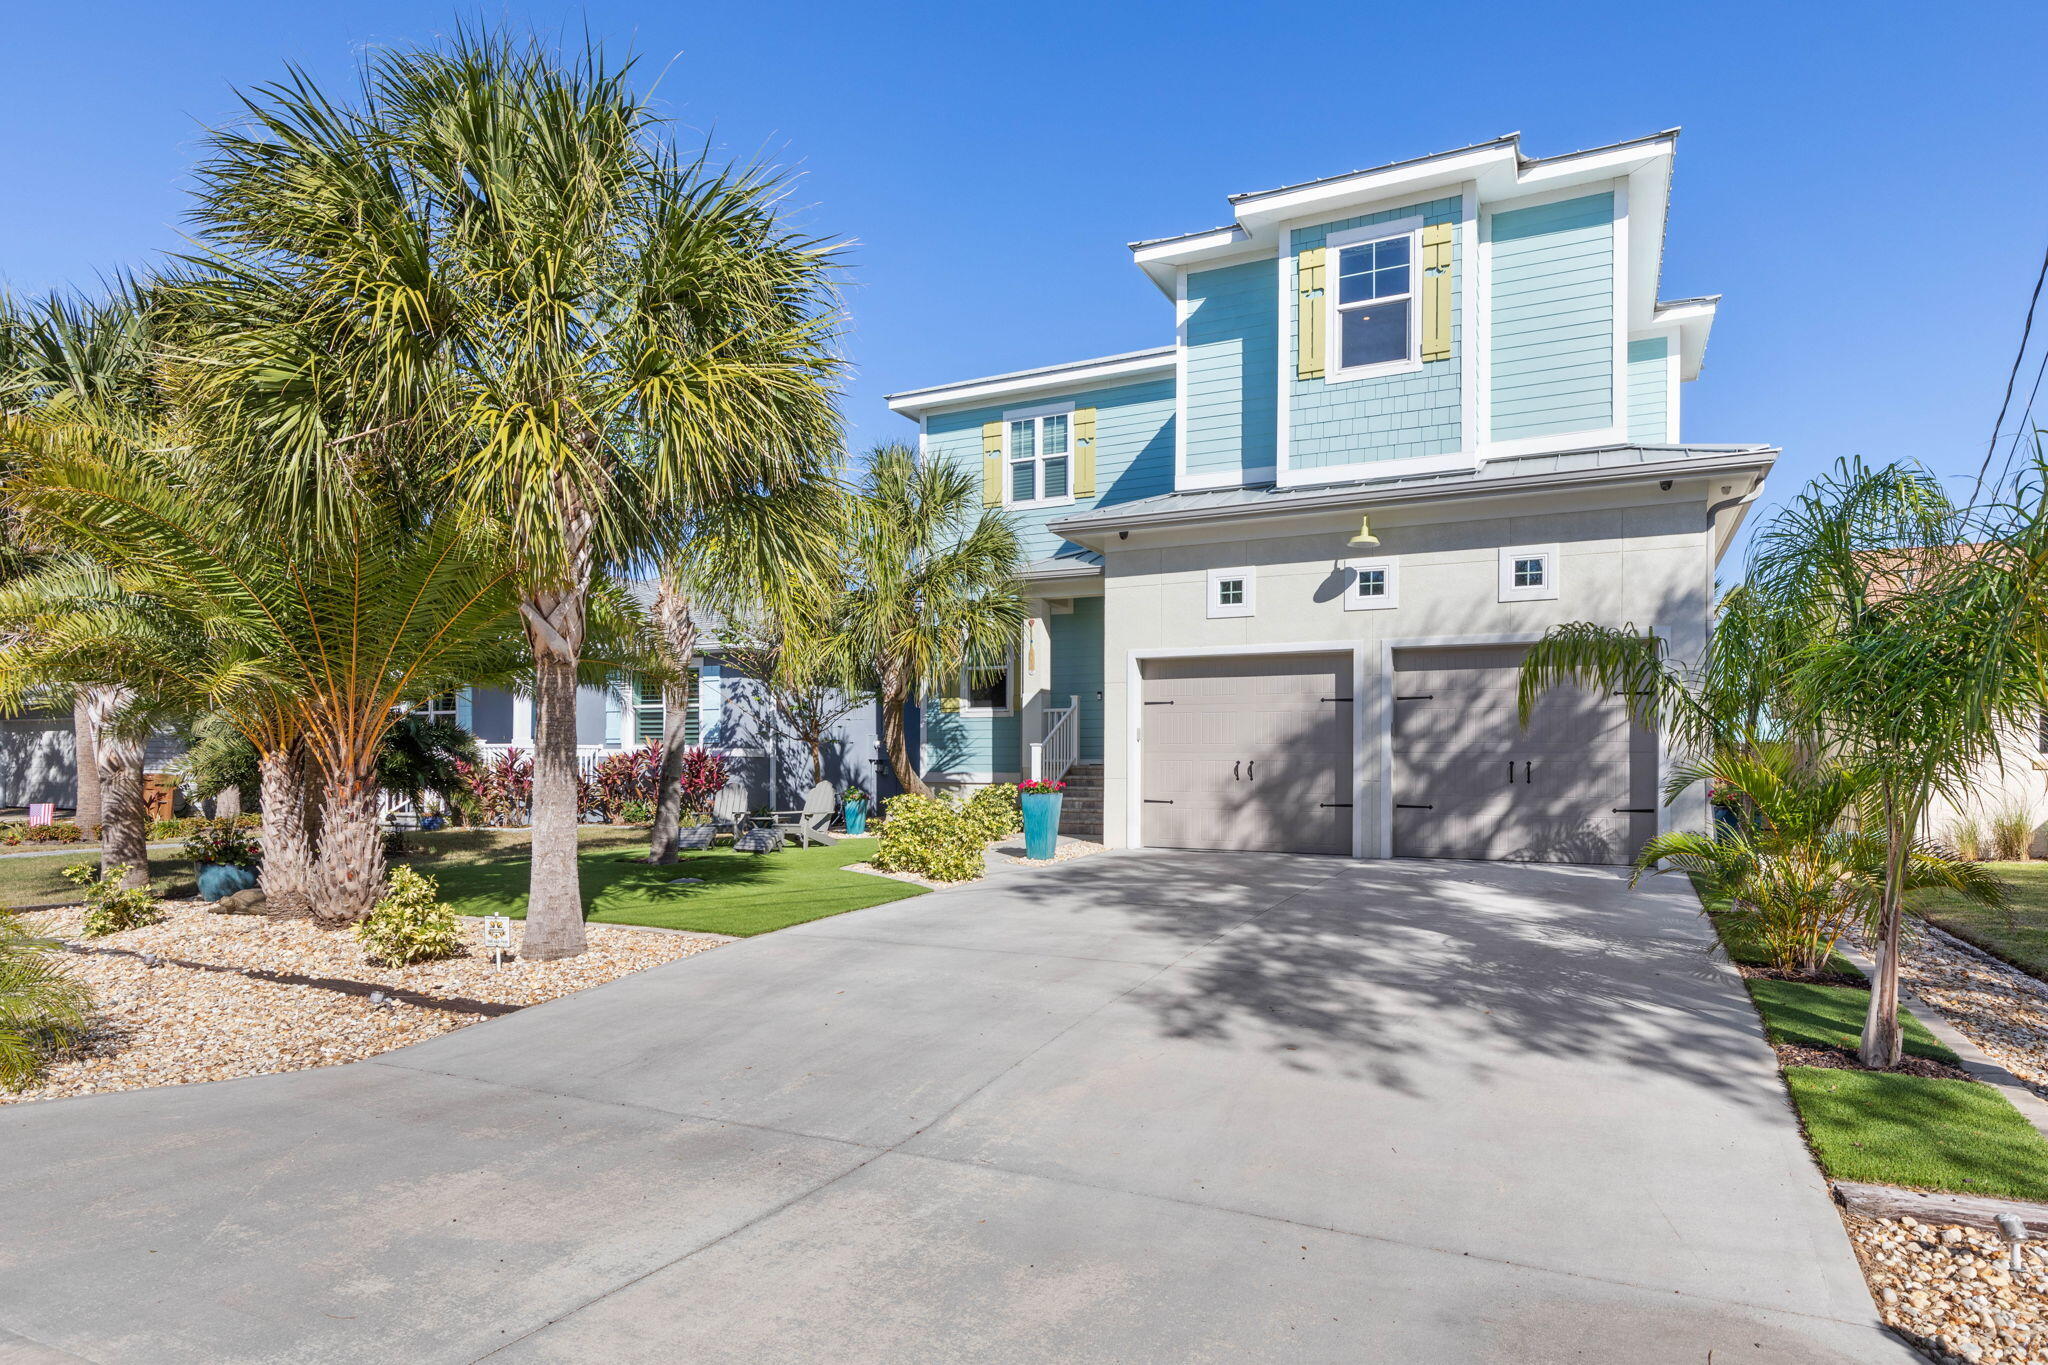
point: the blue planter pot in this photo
(1041, 823)
(856, 815)
(218, 881)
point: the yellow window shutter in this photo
(1436, 292)
(1309, 325)
(991, 464)
(1084, 452)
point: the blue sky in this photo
(1863, 182)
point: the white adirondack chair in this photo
(729, 808)
(808, 825)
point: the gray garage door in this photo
(1248, 753)
(1579, 785)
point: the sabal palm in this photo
(1796, 864)
(934, 585)
(279, 636)
(603, 337)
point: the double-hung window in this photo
(1039, 448)
(1375, 320)
(441, 708)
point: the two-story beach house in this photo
(1284, 568)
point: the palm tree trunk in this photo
(348, 873)
(1882, 1042)
(85, 806)
(124, 816)
(672, 617)
(287, 845)
(895, 698)
(554, 907)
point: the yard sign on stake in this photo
(497, 936)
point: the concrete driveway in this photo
(1137, 1107)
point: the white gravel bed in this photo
(173, 1025)
(1065, 853)
(1947, 1290)
(2000, 1008)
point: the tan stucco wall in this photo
(1629, 555)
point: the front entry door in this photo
(1250, 752)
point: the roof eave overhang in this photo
(1694, 319)
(1095, 533)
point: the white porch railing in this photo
(1056, 752)
(587, 755)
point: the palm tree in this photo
(934, 586)
(605, 337)
(1798, 865)
(79, 361)
(40, 1004)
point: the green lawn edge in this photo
(1959, 1137)
(739, 894)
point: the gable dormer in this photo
(1424, 316)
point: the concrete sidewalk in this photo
(1136, 1107)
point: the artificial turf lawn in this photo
(39, 880)
(2017, 933)
(738, 893)
(1960, 1136)
(1831, 1016)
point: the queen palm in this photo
(604, 337)
(934, 586)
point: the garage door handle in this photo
(1511, 770)
(1399, 806)
(1635, 810)
(1525, 772)
(1251, 770)
(1235, 774)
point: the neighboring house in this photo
(2013, 786)
(1284, 568)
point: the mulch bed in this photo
(1841, 1059)
(1806, 978)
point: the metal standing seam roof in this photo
(1148, 353)
(1494, 476)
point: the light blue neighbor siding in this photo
(1133, 450)
(1395, 417)
(1553, 318)
(1649, 390)
(1077, 668)
(1233, 358)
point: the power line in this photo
(2025, 331)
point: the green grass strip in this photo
(1958, 1136)
(1831, 1016)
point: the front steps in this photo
(1081, 811)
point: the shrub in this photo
(501, 788)
(617, 779)
(704, 776)
(410, 924)
(42, 1005)
(58, 832)
(2011, 830)
(993, 812)
(931, 837)
(1966, 838)
(636, 813)
(109, 906)
(222, 842)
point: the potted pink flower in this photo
(1041, 804)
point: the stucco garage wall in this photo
(1627, 556)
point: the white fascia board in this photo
(1080, 374)
(1694, 319)
(1332, 199)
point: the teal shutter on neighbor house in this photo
(464, 709)
(614, 713)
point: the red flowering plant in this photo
(503, 787)
(620, 779)
(704, 776)
(1038, 788)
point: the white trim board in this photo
(1134, 715)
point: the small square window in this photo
(1375, 585)
(1230, 592)
(1528, 573)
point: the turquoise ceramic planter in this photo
(856, 815)
(1041, 823)
(218, 881)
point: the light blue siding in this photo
(1553, 318)
(1133, 451)
(1233, 357)
(1649, 391)
(1395, 417)
(1077, 668)
(970, 745)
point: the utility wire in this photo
(2012, 378)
